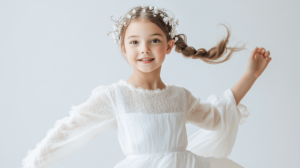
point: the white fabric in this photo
(151, 128)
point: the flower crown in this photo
(120, 23)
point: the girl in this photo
(150, 116)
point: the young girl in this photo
(150, 116)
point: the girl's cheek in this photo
(160, 51)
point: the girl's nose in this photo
(145, 50)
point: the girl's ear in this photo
(123, 50)
(170, 46)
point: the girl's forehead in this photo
(142, 27)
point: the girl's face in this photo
(145, 39)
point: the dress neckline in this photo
(132, 86)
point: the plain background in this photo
(54, 53)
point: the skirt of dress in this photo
(184, 159)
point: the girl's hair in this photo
(181, 45)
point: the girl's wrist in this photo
(250, 75)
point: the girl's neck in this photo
(147, 83)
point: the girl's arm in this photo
(240, 89)
(218, 118)
(257, 63)
(69, 134)
(215, 112)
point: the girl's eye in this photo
(133, 41)
(156, 40)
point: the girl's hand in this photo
(258, 61)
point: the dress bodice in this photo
(143, 132)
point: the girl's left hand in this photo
(258, 61)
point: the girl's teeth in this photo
(146, 59)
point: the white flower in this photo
(162, 15)
(176, 38)
(144, 10)
(128, 16)
(155, 8)
(150, 7)
(124, 23)
(115, 26)
(120, 27)
(143, 6)
(166, 19)
(134, 11)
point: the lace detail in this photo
(158, 90)
(167, 100)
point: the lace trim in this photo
(158, 90)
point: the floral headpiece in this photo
(120, 23)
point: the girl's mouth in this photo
(146, 61)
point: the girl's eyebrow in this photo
(155, 34)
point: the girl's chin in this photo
(145, 70)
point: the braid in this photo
(207, 56)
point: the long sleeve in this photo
(218, 119)
(83, 124)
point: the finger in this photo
(270, 58)
(267, 54)
(258, 52)
(263, 51)
(262, 57)
(253, 53)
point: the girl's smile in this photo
(146, 61)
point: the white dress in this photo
(151, 128)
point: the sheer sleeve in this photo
(218, 119)
(83, 124)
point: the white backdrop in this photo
(54, 53)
